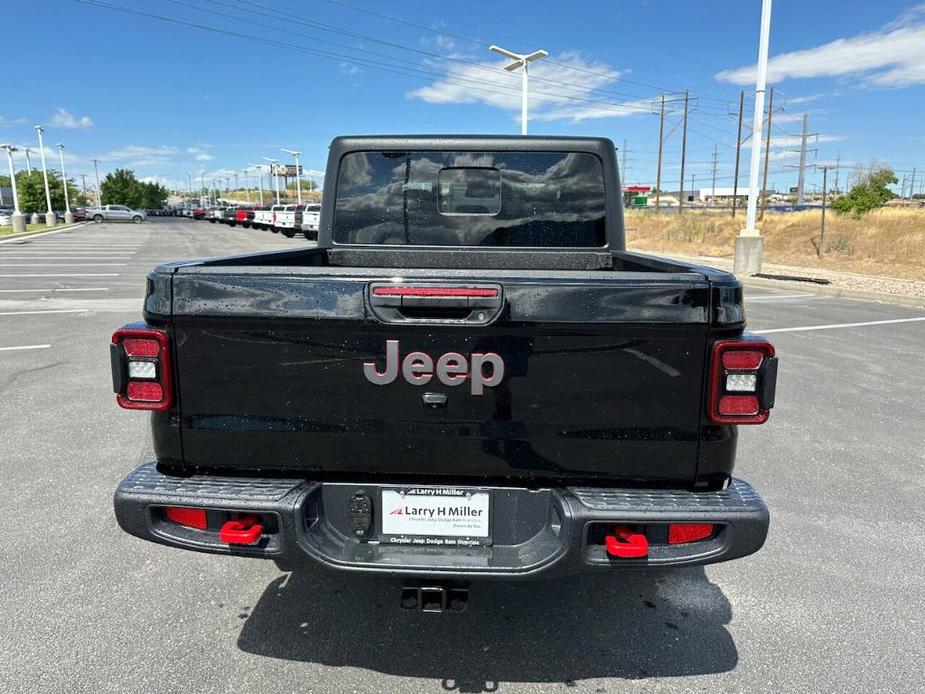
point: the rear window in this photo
(524, 199)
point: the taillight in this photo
(743, 379)
(141, 369)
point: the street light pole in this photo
(298, 173)
(19, 224)
(68, 216)
(519, 60)
(99, 192)
(28, 160)
(259, 168)
(275, 173)
(247, 185)
(749, 245)
(50, 219)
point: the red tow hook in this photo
(625, 543)
(245, 530)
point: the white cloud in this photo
(794, 140)
(893, 56)
(10, 122)
(560, 90)
(141, 155)
(65, 119)
(199, 153)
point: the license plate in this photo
(436, 517)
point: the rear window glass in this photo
(525, 199)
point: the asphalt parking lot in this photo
(833, 603)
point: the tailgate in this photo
(597, 379)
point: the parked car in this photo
(118, 213)
(228, 216)
(81, 214)
(287, 219)
(199, 213)
(467, 379)
(263, 219)
(6, 217)
(311, 214)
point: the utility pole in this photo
(658, 174)
(837, 166)
(84, 178)
(801, 176)
(912, 184)
(683, 154)
(623, 177)
(767, 155)
(713, 193)
(735, 178)
(902, 189)
(825, 171)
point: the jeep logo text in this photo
(451, 369)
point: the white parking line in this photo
(54, 310)
(58, 289)
(69, 274)
(775, 297)
(832, 326)
(16, 349)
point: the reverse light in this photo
(743, 378)
(141, 369)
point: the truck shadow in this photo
(626, 625)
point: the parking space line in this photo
(52, 310)
(57, 289)
(833, 326)
(775, 297)
(23, 347)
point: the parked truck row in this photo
(286, 219)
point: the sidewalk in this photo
(846, 285)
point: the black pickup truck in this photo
(468, 377)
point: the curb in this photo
(836, 292)
(809, 287)
(41, 232)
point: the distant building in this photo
(722, 196)
(6, 196)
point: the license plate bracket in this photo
(435, 516)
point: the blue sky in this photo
(165, 98)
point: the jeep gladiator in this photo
(468, 377)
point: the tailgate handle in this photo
(476, 304)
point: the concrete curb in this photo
(806, 287)
(836, 292)
(42, 232)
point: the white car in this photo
(287, 219)
(118, 213)
(6, 218)
(310, 216)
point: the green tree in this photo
(153, 196)
(121, 188)
(870, 194)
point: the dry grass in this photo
(887, 242)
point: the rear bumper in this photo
(535, 532)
